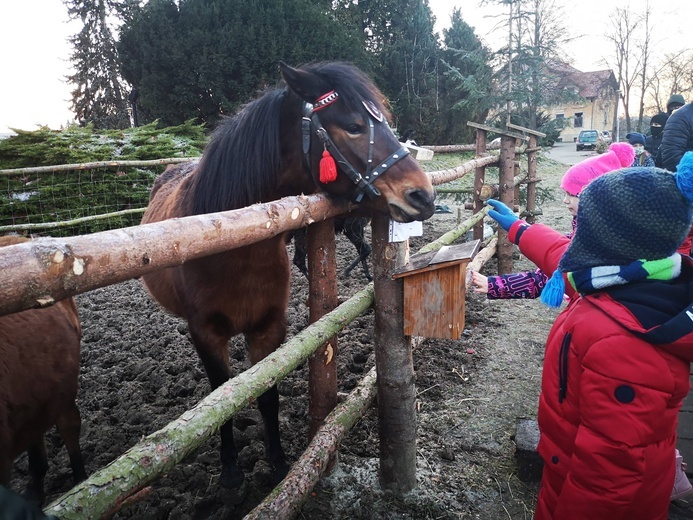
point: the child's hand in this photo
(480, 282)
(501, 214)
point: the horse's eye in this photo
(354, 129)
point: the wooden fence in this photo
(43, 271)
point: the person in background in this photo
(642, 156)
(529, 284)
(675, 102)
(653, 140)
(617, 360)
(678, 136)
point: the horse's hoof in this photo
(281, 470)
(233, 496)
(232, 486)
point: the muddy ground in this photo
(139, 371)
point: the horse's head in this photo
(345, 121)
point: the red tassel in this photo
(328, 168)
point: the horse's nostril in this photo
(421, 199)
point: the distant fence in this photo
(76, 199)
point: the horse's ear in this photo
(305, 84)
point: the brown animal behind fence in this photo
(275, 147)
(39, 370)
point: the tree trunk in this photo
(393, 360)
(322, 281)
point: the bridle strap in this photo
(364, 182)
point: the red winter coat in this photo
(616, 370)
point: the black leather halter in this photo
(364, 182)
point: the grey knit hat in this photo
(675, 99)
(628, 215)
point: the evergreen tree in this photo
(99, 96)
(204, 58)
(400, 34)
(468, 80)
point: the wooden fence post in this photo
(394, 365)
(531, 151)
(322, 281)
(506, 172)
(531, 176)
(479, 179)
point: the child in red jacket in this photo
(529, 284)
(617, 360)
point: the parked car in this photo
(606, 137)
(587, 140)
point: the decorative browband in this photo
(325, 100)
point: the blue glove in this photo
(501, 214)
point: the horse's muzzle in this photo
(420, 205)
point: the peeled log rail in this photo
(483, 256)
(45, 270)
(163, 449)
(40, 272)
(68, 223)
(93, 165)
(286, 499)
(443, 176)
(456, 148)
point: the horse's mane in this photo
(243, 158)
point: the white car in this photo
(606, 137)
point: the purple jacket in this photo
(526, 284)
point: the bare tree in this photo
(643, 47)
(536, 37)
(627, 62)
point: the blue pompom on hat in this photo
(628, 215)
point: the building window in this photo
(560, 116)
(578, 120)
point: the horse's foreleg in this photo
(268, 404)
(38, 467)
(260, 345)
(69, 425)
(213, 352)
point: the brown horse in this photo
(39, 370)
(272, 148)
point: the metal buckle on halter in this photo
(305, 127)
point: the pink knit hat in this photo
(619, 155)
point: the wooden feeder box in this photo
(435, 291)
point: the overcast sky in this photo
(34, 52)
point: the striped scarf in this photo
(592, 279)
(595, 278)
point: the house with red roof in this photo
(592, 105)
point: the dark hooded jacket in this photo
(678, 137)
(616, 371)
